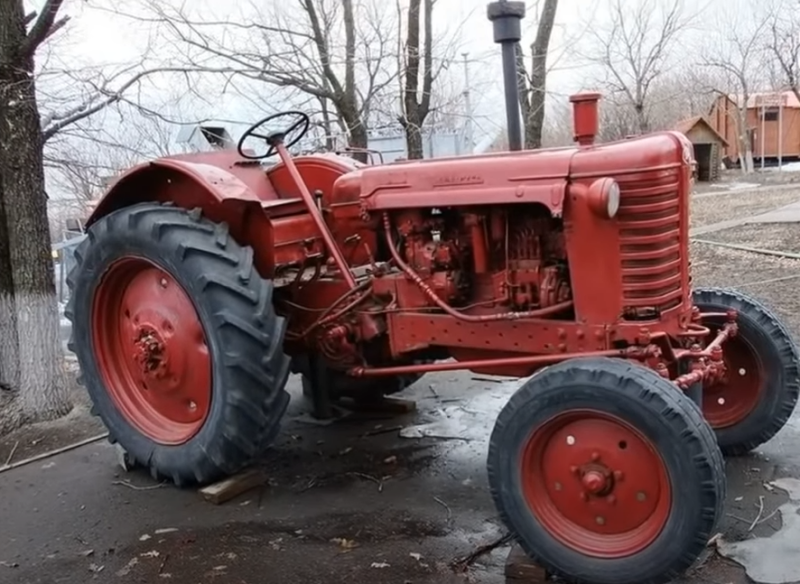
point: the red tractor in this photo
(206, 278)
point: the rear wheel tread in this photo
(255, 383)
(787, 354)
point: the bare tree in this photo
(30, 350)
(673, 97)
(734, 52)
(783, 42)
(27, 298)
(335, 53)
(533, 86)
(417, 107)
(634, 50)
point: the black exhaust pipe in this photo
(507, 20)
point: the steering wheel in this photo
(289, 136)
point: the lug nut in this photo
(600, 520)
(641, 496)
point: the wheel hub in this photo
(732, 397)
(596, 484)
(152, 351)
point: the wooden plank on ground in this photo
(520, 569)
(227, 489)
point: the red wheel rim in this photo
(731, 399)
(596, 484)
(151, 351)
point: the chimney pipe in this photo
(507, 18)
(584, 117)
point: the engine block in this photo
(485, 259)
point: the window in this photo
(771, 114)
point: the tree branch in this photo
(57, 122)
(45, 26)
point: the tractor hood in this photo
(508, 177)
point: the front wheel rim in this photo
(596, 484)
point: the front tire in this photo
(762, 383)
(606, 473)
(178, 342)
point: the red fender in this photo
(259, 205)
(217, 182)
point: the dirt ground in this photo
(34, 439)
(356, 501)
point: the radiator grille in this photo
(650, 228)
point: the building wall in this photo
(772, 130)
(724, 119)
(701, 134)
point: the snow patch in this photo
(772, 560)
(790, 167)
(468, 424)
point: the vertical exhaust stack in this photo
(507, 18)
(584, 117)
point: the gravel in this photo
(707, 210)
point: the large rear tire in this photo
(178, 342)
(606, 473)
(762, 383)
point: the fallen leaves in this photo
(346, 544)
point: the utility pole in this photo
(468, 133)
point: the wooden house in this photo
(772, 122)
(708, 146)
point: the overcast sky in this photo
(96, 36)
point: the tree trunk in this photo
(534, 121)
(413, 132)
(357, 132)
(641, 118)
(42, 390)
(745, 144)
(9, 356)
(415, 107)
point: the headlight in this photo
(603, 196)
(612, 201)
